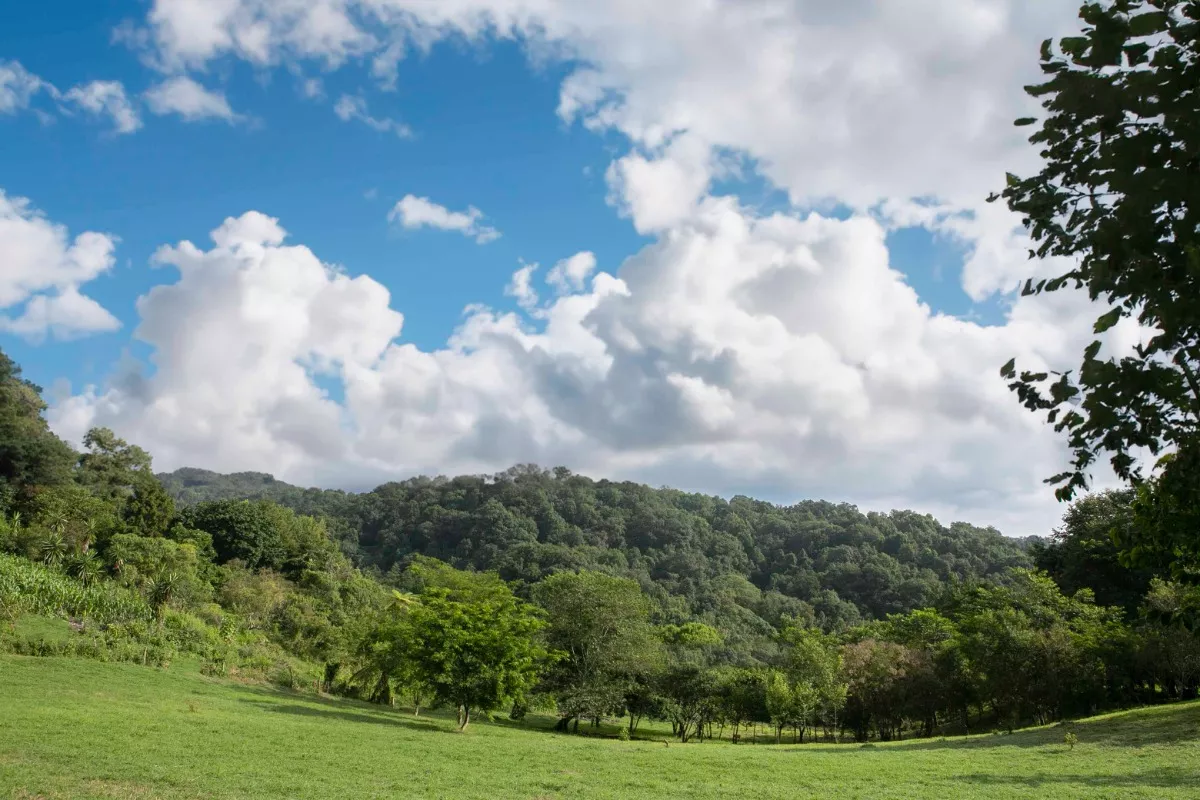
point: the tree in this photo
(814, 667)
(139, 561)
(1084, 552)
(240, 530)
(780, 702)
(1166, 518)
(475, 655)
(741, 694)
(31, 456)
(111, 467)
(1118, 199)
(149, 509)
(688, 697)
(601, 624)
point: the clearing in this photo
(71, 728)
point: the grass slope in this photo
(86, 729)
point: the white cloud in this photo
(17, 87)
(421, 212)
(183, 96)
(521, 287)
(570, 274)
(43, 270)
(106, 98)
(857, 101)
(350, 107)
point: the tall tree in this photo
(31, 455)
(1118, 198)
(111, 467)
(602, 625)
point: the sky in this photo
(737, 247)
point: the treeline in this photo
(741, 566)
(589, 600)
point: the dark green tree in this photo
(601, 624)
(31, 456)
(111, 467)
(240, 530)
(1118, 197)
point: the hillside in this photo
(741, 564)
(142, 733)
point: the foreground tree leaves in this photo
(1119, 196)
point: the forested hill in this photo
(738, 563)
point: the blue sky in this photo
(485, 135)
(635, 172)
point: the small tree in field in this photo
(474, 655)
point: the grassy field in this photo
(86, 729)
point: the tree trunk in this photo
(464, 716)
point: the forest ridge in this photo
(726, 562)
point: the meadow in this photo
(85, 729)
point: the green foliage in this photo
(1070, 740)
(46, 591)
(149, 510)
(1166, 518)
(739, 566)
(1084, 552)
(1116, 199)
(140, 561)
(474, 654)
(110, 467)
(31, 456)
(241, 531)
(601, 625)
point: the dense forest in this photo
(741, 565)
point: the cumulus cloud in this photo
(43, 270)
(571, 274)
(779, 353)
(420, 212)
(521, 287)
(106, 99)
(186, 98)
(238, 339)
(354, 107)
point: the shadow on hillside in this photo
(350, 716)
(332, 708)
(1169, 777)
(1130, 731)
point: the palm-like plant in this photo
(85, 568)
(160, 591)
(53, 549)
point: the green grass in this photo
(87, 729)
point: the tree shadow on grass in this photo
(1165, 778)
(1163, 725)
(350, 715)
